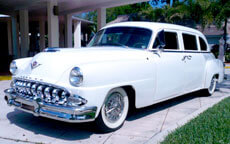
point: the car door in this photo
(194, 62)
(170, 67)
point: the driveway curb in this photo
(156, 139)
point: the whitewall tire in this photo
(212, 87)
(114, 110)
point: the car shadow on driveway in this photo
(49, 127)
(80, 131)
(139, 113)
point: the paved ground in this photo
(17, 127)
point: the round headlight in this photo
(76, 77)
(13, 67)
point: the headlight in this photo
(76, 77)
(13, 67)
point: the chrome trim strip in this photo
(76, 114)
(179, 51)
(51, 49)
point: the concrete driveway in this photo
(143, 124)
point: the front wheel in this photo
(210, 90)
(114, 110)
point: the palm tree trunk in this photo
(225, 34)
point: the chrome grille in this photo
(48, 93)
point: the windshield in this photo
(122, 36)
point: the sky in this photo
(159, 4)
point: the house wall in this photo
(213, 39)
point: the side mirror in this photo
(161, 38)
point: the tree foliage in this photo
(187, 12)
(182, 12)
(134, 9)
(221, 11)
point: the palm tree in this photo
(221, 12)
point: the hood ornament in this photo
(34, 64)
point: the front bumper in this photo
(70, 114)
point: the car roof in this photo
(155, 26)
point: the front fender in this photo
(23, 65)
(99, 78)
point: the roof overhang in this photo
(65, 6)
(82, 20)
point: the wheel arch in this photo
(128, 91)
(131, 95)
(212, 69)
(209, 78)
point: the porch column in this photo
(101, 18)
(53, 24)
(24, 29)
(68, 31)
(9, 33)
(77, 34)
(221, 50)
(62, 35)
(42, 34)
(14, 35)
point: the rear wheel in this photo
(211, 89)
(114, 110)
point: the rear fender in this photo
(213, 67)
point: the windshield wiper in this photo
(125, 46)
(112, 44)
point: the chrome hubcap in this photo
(114, 107)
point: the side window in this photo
(171, 40)
(203, 45)
(189, 42)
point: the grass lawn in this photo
(210, 127)
(5, 78)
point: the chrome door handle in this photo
(183, 59)
(189, 57)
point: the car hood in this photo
(50, 66)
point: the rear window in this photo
(189, 42)
(203, 45)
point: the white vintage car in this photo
(125, 64)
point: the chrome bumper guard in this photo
(69, 114)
